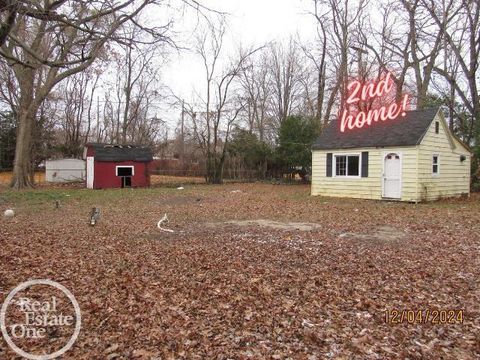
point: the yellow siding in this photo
(454, 176)
(371, 186)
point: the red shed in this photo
(117, 166)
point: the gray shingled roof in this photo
(108, 152)
(403, 131)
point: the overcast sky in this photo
(250, 22)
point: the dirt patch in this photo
(271, 224)
(383, 234)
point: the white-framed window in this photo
(347, 165)
(124, 170)
(435, 164)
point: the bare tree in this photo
(11, 10)
(460, 22)
(390, 44)
(221, 105)
(319, 59)
(141, 80)
(286, 69)
(337, 23)
(135, 87)
(43, 52)
(76, 97)
(8, 15)
(255, 82)
(407, 42)
(344, 20)
(425, 45)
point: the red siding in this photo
(105, 174)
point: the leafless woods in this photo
(91, 71)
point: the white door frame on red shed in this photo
(90, 171)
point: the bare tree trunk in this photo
(27, 109)
(128, 93)
(23, 170)
(90, 104)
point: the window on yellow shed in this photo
(347, 165)
(435, 165)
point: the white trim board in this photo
(125, 166)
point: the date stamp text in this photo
(425, 316)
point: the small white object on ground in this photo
(307, 323)
(236, 191)
(9, 213)
(180, 188)
(159, 224)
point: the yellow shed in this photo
(412, 158)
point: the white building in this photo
(64, 170)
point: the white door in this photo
(90, 173)
(392, 176)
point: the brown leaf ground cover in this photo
(226, 291)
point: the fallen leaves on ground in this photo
(250, 291)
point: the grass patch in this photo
(41, 196)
